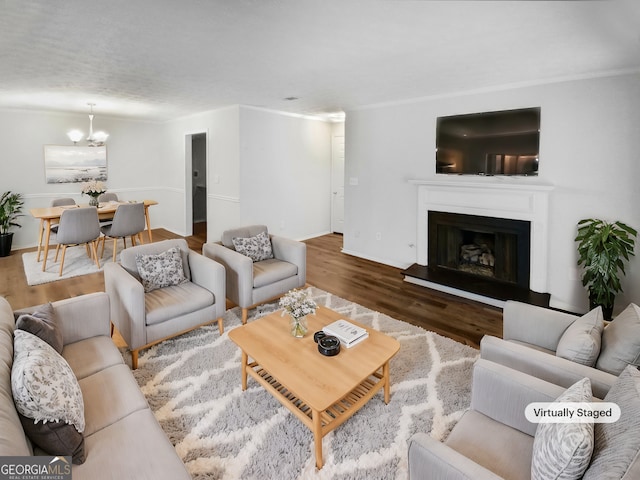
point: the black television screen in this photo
(490, 143)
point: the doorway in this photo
(196, 185)
(337, 184)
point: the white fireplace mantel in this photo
(518, 198)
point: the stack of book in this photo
(348, 333)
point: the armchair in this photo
(147, 318)
(531, 336)
(493, 440)
(251, 283)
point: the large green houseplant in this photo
(10, 210)
(603, 249)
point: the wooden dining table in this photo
(51, 215)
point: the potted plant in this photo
(603, 249)
(10, 210)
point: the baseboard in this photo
(384, 261)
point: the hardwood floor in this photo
(373, 285)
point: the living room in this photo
(270, 163)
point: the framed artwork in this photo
(74, 164)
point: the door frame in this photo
(188, 176)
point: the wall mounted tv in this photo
(490, 143)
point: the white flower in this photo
(94, 188)
(297, 303)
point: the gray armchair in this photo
(530, 338)
(251, 283)
(493, 440)
(145, 319)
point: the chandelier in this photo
(95, 139)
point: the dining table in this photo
(49, 216)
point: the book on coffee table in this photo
(348, 333)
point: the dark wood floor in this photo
(373, 285)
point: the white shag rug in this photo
(76, 263)
(192, 384)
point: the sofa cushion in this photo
(161, 270)
(580, 342)
(91, 355)
(271, 271)
(563, 450)
(617, 444)
(43, 324)
(621, 342)
(257, 248)
(46, 390)
(171, 302)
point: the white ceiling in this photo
(161, 59)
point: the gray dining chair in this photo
(61, 202)
(128, 221)
(108, 197)
(78, 226)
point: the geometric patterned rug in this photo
(192, 384)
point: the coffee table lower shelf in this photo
(322, 422)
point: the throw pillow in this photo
(257, 248)
(580, 342)
(563, 450)
(46, 390)
(43, 324)
(617, 444)
(621, 342)
(161, 270)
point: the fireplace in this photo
(500, 221)
(487, 248)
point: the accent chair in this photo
(186, 294)
(252, 281)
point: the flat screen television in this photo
(489, 143)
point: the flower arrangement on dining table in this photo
(94, 189)
(297, 304)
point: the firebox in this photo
(486, 248)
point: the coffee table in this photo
(323, 392)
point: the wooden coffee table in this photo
(323, 392)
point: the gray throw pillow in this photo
(161, 270)
(580, 342)
(617, 444)
(42, 323)
(257, 248)
(621, 342)
(563, 450)
(47, 396)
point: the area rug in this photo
(192, 384)
(76, 263)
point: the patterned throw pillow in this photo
(161, 270)
(47, 397)
(42, 323)
(257, 248)
(617, 444)
(563, 450)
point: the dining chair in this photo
(128, 221)
(78, 226)
(61, 202)
(108, 197)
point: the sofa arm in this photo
(544, 365)
(126, 297)
(291, 251)
(536, 325)
(429, 458)
(209, 274)
(239, 272)
(79, 317)
(502, 394)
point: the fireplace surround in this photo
(524, 200)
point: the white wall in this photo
(285, 166)
(133, 154)
(589, 150)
